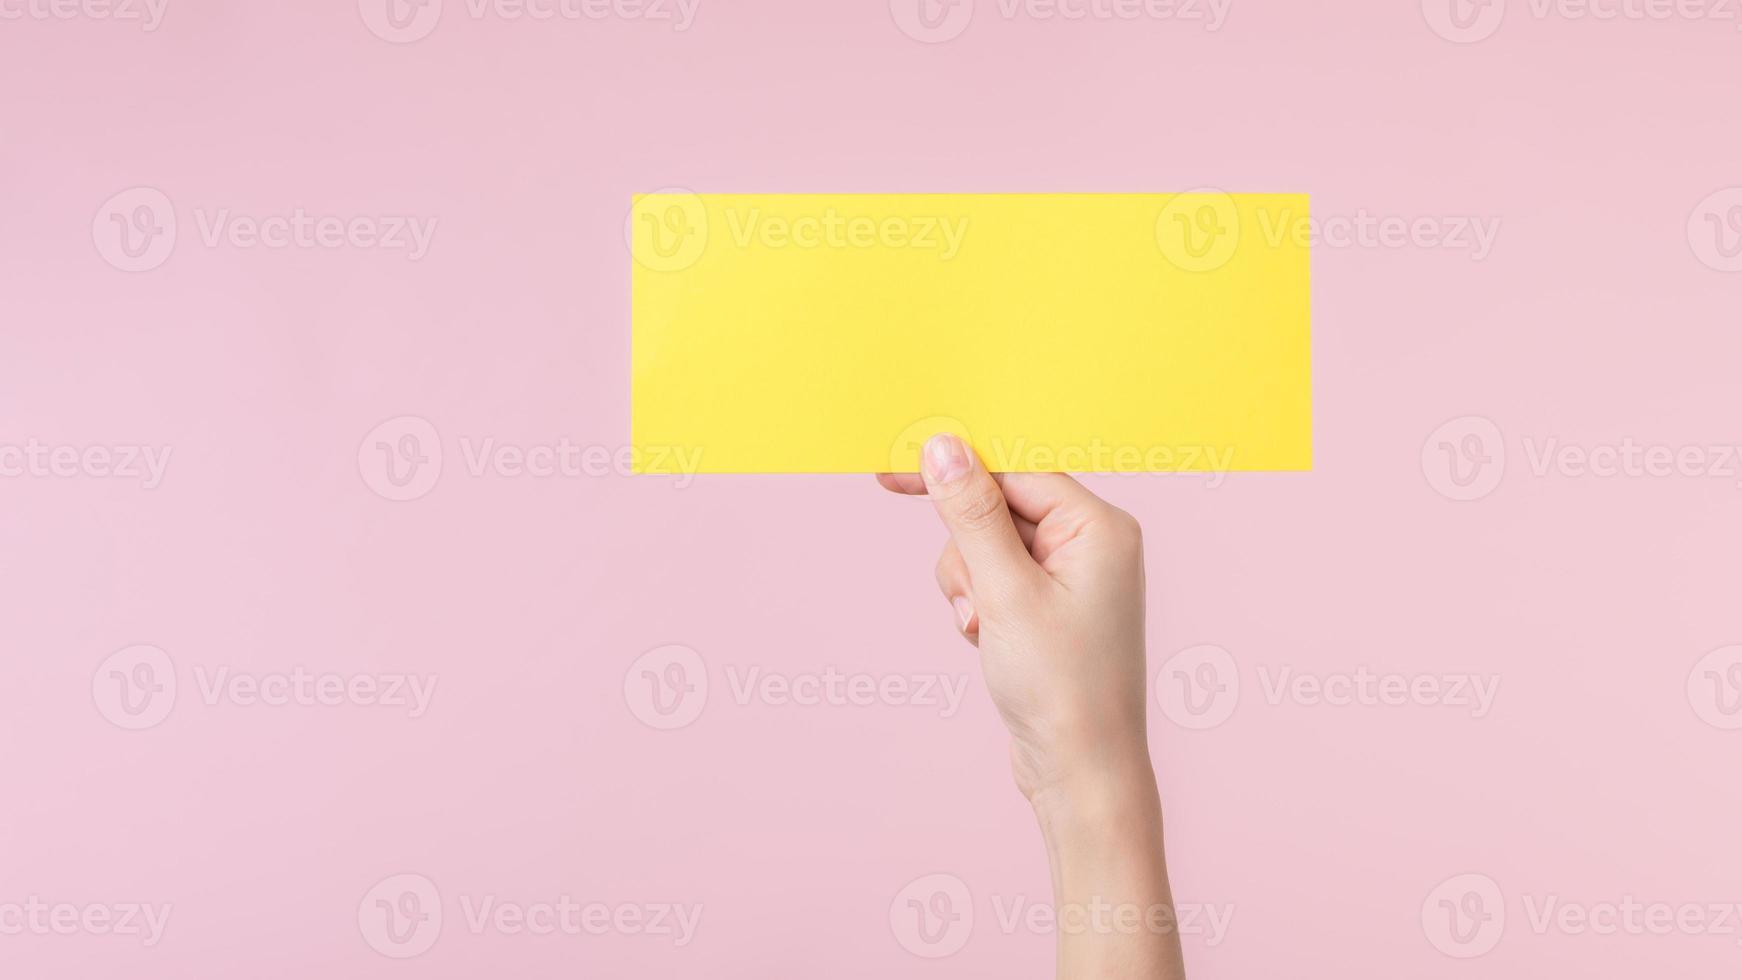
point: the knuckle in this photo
(979, 509)
(1125, 529)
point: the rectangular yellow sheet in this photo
(834, 333)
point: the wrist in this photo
(1101, 806)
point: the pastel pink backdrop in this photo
(265, 548)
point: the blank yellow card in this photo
(834, 333)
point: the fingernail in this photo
(946, 459)
(964, 610)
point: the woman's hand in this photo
(1047, 580)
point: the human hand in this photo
(1047, 580)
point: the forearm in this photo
(1115, 914)
(1051, 578)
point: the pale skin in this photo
(1046, 579)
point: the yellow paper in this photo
(834, 333)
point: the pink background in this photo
(1599, 774)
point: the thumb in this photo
(972, 507)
